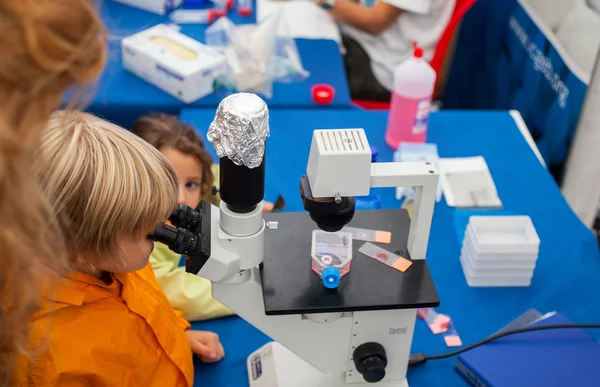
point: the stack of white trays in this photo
(499, 251)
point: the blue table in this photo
(567, 275)
(122, 97)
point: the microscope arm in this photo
(422, 176)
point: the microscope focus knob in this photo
(370, 360)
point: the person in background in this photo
(46, 47)
(379, 35)
(106, 322)
(180, 144)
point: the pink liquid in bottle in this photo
(414, 81)
(408, 120)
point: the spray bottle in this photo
(414, 82)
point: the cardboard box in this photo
(160, 7)
(173, 62)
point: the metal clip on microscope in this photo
(354, 335)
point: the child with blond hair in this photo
(107, 321)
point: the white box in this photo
(504, 234)
(490, 256)
(476, 282)
(160, 7)
(466, 259)
(173, 62)
(497, 261)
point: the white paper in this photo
(467, 182)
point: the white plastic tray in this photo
(497, 261)
(465, 260)
(475, 282)
(503, 234)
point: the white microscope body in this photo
(318, 350)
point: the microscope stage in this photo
(291, 287)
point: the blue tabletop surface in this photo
(566, 278)
(122, 97)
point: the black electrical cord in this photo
(420, 358)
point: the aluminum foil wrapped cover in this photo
(240, 129)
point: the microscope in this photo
(357, 334)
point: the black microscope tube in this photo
(242, 188)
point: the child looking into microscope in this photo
(182, 146)
(106, 321)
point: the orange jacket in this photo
(89, 333)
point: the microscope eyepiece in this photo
(186, 217)
(179, 240)
(191, 235)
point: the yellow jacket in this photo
(187, 292)
(88, 333)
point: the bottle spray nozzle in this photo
(417, 51)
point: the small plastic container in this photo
(322, 94)
(497, 261)
(503, 234)
(331, 256)
(494, 273)
(478, 282)
(499, 251)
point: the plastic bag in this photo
(257, 55)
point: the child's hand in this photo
(268, 206)
(206, 345)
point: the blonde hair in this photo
(105, 183)
(46, 46)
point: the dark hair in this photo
(165, 130)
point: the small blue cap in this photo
(331, 277)
(374, 154)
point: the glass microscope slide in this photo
(395, 261)
(363, 234)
